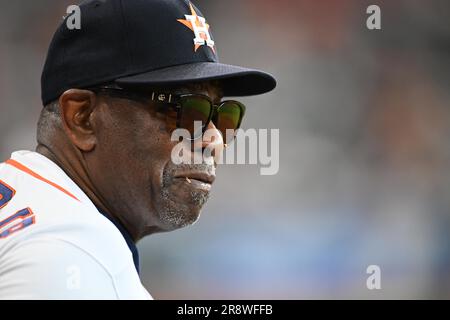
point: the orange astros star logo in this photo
(200, 28)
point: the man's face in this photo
(132, 169)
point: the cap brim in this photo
(235, 81)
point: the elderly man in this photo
(102, 176)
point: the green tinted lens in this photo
(195, 109)
(229, 117)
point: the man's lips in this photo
(199, 176)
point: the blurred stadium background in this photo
(364, 123)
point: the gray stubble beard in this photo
(173, 214)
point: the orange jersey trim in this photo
(21, 167)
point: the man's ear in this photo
(77, 108)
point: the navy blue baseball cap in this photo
(141, 43)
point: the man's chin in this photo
(173, 219)
(180, 205)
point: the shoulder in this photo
(76, 224)
(38, 200)
(48, 229)
(48, 268)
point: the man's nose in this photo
(212, 140)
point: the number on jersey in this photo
(25, 216)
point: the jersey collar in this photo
(126, 235)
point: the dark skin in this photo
(118, 151)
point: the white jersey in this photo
(54, 243)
